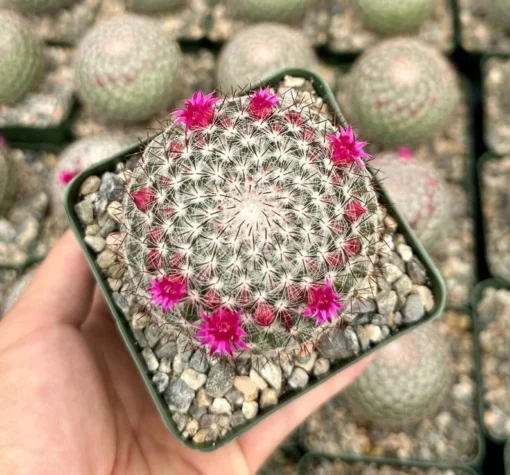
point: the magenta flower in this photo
(262, 103)
(198, 111)
(222, 331)
(323, 303)
(405, 154)
(345, 149)
(66, 176)
(168, 291)
(143, 198)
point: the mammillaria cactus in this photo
(393, 16)
(252, 225)
(406, 381)
(268, 10)
(126, 68)
(38, 6)
(259, 51)
(8, 177)
(77, 157)
(402, 91)
(499, 12)
(418, 191)
(21, 58)
(153, 6)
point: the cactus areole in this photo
(250, 223)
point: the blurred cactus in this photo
(391, 17)
(8, 178)
(153, 6)
(268, 10)
(38, 6)
(127, 68)
(21, 57)
(407, 380)
(499, 12)
(402, 91)
(259, 51)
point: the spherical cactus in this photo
(251, 227)
(127, 68)
(499, 12)
(259, 51)
(77, 157)
(418, 191)
(268, 10)
(153, 6)
(407, 380)
(391, 17)
(8, 178)
(21, 58)
(402, 91)
(38, 6)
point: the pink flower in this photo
(222, 331)
(405, 154)
(345, 149)
(143, 198)
(262, 103)
(198, 111)
(66, 176)
(168, 291)
(323, 303)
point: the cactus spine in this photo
(8, 178)
(38, 6)
(127, 68)
(153, 6)
(268, 10)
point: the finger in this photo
(60, 292)
(258, 443)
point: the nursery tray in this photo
(437, 284)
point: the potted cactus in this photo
(250, 234)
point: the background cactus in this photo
(245, 222)
(391, 17)
(38, 6)
(21, 58)
(419, 193)
(499, 12)
(402, 92)
(127, 68)
(8, 178)
(268, 10)
(407, 380)
(153, 6)
(77, 157)
(259, 51)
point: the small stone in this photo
(374, 333)
(161, 381)
(220, 379)
(270, 371)
(321, 367)
(90, 185)
(92, 198)
(247, 386)
(193, 379)
(202, 399)
(250, 410)
(237, 419)
(115, 284)
(140, 320)
(140, 338)
(179, 395)
(386, 301)
(221, 406)
(114, 241)
(243, 365)
(414, 308)
(108, 227)
(166, 350)
(197, 412)
(337, 343)
(235, 397)
(307, 361)
(165, 365)
(286, 363)
(100, 206)
(85, 212)
(106, 258)
(362, 306)
(298, 379)
(199, 361)
(150, 359)
(191, 428)
(426, 295)
(204, 435)
(112, 186)
(391, 272)
(180, 421)
(96, 243)
(153, 335)
(378, 319)
(268, 398)
(180, 362)
(403, 286)
(115, 211)
(122, 303)
(257, 379)
(92, 230)
(416, 271)
(7, 231)
(405, 252)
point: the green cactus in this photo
(392, 17)
(153, 6)
(499, 12)
(259, 51)
(402, 92)
(268, 10)
(8, 178)
(127, 68)
(418, 191)
(21, 58)
(407, 380)
(38, 6)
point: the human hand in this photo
(72, 402)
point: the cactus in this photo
(21, 58)
(268, 10)
(499, 12)
(253, 226)
(419, 193)
(153, 6)
(392, 17)
(8, 178)
(259, 51)
(77, 157)
(407, 380)
(402, 92)
(38, 6)
(126, 68)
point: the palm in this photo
(72, 402)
